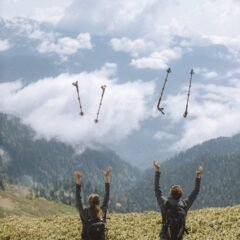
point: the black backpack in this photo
(174, 221)
(96, 228)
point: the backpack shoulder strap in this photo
(104, 216)
(169, 206)
(164, 213)
(181, 205)
(87, 215)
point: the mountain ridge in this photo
(220, 159)
(48, 166)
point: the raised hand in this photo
(156, 165)
(199, 172)
(78, 176)
(107, 172)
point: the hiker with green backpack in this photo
(173, 208)
(94, 216)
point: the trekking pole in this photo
(163, 88)
(75, 84)
(188, 96)
(100, 104)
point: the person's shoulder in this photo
(165, 198)
(86, 209)
(183, 203)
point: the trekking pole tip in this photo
(200, 168)
(161, 110)
(75, 84)
(81, 113)
(169, 70)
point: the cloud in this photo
(158, 60)
(160, 135)
(208, 74)
(42, 11)
(162, 24)
(50, 106)
(134, 47)
(211, 74)
(66, 46)
(231, 43)
(155, 33)
(214, 111)
(118, 14)
(21, 26)
(157, 21)
(233, 72)
(46, 40)
(205, 17)
(166, 24)
(4, 45)
(52, 15)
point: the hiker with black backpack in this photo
(173, 208)
(94, 216)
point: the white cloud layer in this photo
(158, 60)
(66, 46)
(205, 17)
(45, 10)
(214, 111)
(162, 135)
(4, 45)
(201, 23)
(133, 24)
(52, 15)
(206, 73)
(50, 106)
(106, 15)
(155, 33)
(134, 47)
(45, 40)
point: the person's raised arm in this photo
(158, 193)
(189, 201)
(107, 174)
(79, 206)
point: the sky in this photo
(127, 45)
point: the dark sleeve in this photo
(106, 197)
(158, 193)
(189, 201)
(79, 201)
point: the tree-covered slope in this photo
(49, 165)
(220, 159)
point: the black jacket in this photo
(83, 212)
(185, 203)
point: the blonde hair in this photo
(94, 202)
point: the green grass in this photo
(17, 204)
(206, 224)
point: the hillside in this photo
(218, 147)
(16, 200)
(48, 166)
(220, 159)
(211, 224)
